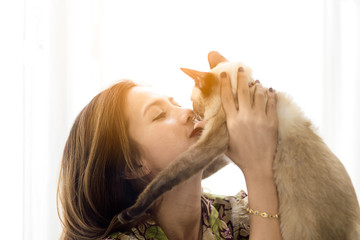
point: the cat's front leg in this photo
(211, 144)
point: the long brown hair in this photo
(92, 188)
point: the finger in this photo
(259, 99)
(243, 92)
(227, 99)
(271, 109)
(215, 58)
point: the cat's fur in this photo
(316, 196)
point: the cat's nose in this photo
(187, 116)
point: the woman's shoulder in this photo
(146, 228)
(216, 211)
(237, 203)
(240, 196)
(121, 236)
(232, 210)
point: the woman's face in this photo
(160, 126)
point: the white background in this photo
(55, 55)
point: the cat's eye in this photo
(160, 116)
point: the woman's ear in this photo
(141, 171)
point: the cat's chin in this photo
(200, 124)
(196, 132)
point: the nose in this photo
(186, 116)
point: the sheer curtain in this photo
(56, 55)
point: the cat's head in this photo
(206, 92)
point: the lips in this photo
(196, 132)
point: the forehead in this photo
(142, 93)
(138, 97)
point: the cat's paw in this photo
(124, 217)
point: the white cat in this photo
(316, 196)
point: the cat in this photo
(316, 197)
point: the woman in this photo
(127, 134)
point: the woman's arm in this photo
(262, 196)
(253, 139)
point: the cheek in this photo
(199, 109)
(162, 146)
(196, 99)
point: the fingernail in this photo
(251, 84)
(271, 90)
(241, 69)
(223, 75)
(257, 81)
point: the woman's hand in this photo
(252, 127)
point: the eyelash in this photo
(163, 114)
(160, 116)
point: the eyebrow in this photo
(158, 101)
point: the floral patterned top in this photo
(222, 218)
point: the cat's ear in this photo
(203, 80)
(199, 77)
(215, 58)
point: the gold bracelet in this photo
(263, 214)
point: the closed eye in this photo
(160, 116)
